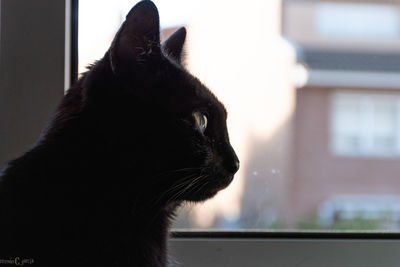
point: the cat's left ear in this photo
(173, 46)
(138, 40)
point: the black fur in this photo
(121, 153)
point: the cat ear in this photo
(173, 46)
(138, 39)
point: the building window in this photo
(357, 21)
(365, 124)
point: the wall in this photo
(32, 46)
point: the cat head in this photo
(165, 124)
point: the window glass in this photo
(365, 124)
(357, 20)
(312, 90)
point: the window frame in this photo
(300, 248)
(198, 248)
(368, 101)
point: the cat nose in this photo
(232, 163)
(235, 166)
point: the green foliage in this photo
(359, 223)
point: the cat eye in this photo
(201, 121)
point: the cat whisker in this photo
(178, 185)
(192, 183)
(179, 192)
(201, 187)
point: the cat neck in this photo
(126, 216)
(108, 191)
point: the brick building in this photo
(346, 154)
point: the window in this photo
(365, 124)
(278, 115)
(357, 21)
(371, 209)
(285, 136)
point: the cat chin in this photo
(217, 185)
(200, 197)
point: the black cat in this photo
(134, 138)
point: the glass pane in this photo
(364, 124)
(312, 89)
(357, 20)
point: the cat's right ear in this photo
(138, 40)
(173, 46)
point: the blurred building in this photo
(313, 94)
(346, 154)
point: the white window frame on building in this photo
(40, 87)
(362, 122)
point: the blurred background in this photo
(312, 89)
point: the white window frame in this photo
(286, 249)
(188, 248)
(367, 100)
(346, 24)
